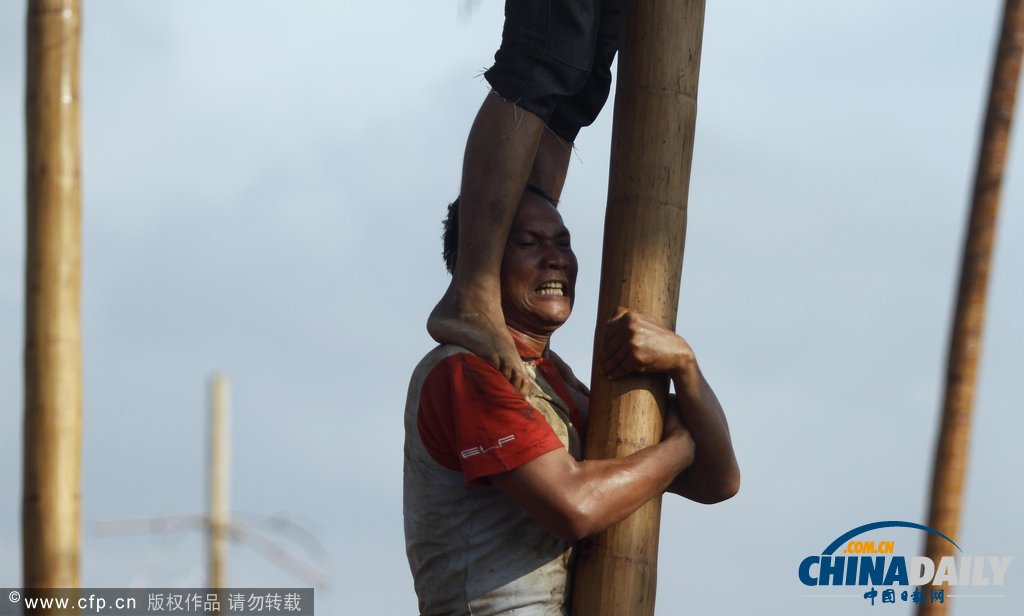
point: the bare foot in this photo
(458, 320)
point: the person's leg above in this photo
(544, 57)
(551, 165)
(581, 109)
(499, 154)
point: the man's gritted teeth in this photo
(553, 288)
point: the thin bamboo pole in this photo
(220, 460)
(51, 502)
(965, 342)
(645, 228)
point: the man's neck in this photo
(534, 342)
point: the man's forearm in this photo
(714, 475)
(574, 499)
(610, 490)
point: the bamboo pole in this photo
(51, 500)
(219, 516)
(645, 228)
(951, 452)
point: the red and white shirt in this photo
(472, 549)
(473, 421)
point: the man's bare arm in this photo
(574, 499)
(695, 459)
(636, 342)
(714, 475)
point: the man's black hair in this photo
(450, 235)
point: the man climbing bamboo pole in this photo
(496, 494)
(965, 343)
(645, 225)
(53, 364)
(494, 418)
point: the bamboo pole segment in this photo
(965, 342)
(51, 482)
(219, 517)
(645, 228)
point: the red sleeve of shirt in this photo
(472, 420)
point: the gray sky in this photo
(263, 184)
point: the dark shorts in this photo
(555, 59)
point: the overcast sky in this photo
(263, 185)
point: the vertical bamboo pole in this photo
(965, 342)
(645, 227)
(51, 500)
(219, 495)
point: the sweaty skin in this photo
(636, 342)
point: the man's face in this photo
(538, 272)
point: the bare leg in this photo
(500, 152)
(550, 165)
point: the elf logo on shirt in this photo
(475, 451)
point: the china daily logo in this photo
(876, 564)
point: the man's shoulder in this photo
(437, 355)
(441, 355)
(441, 351)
